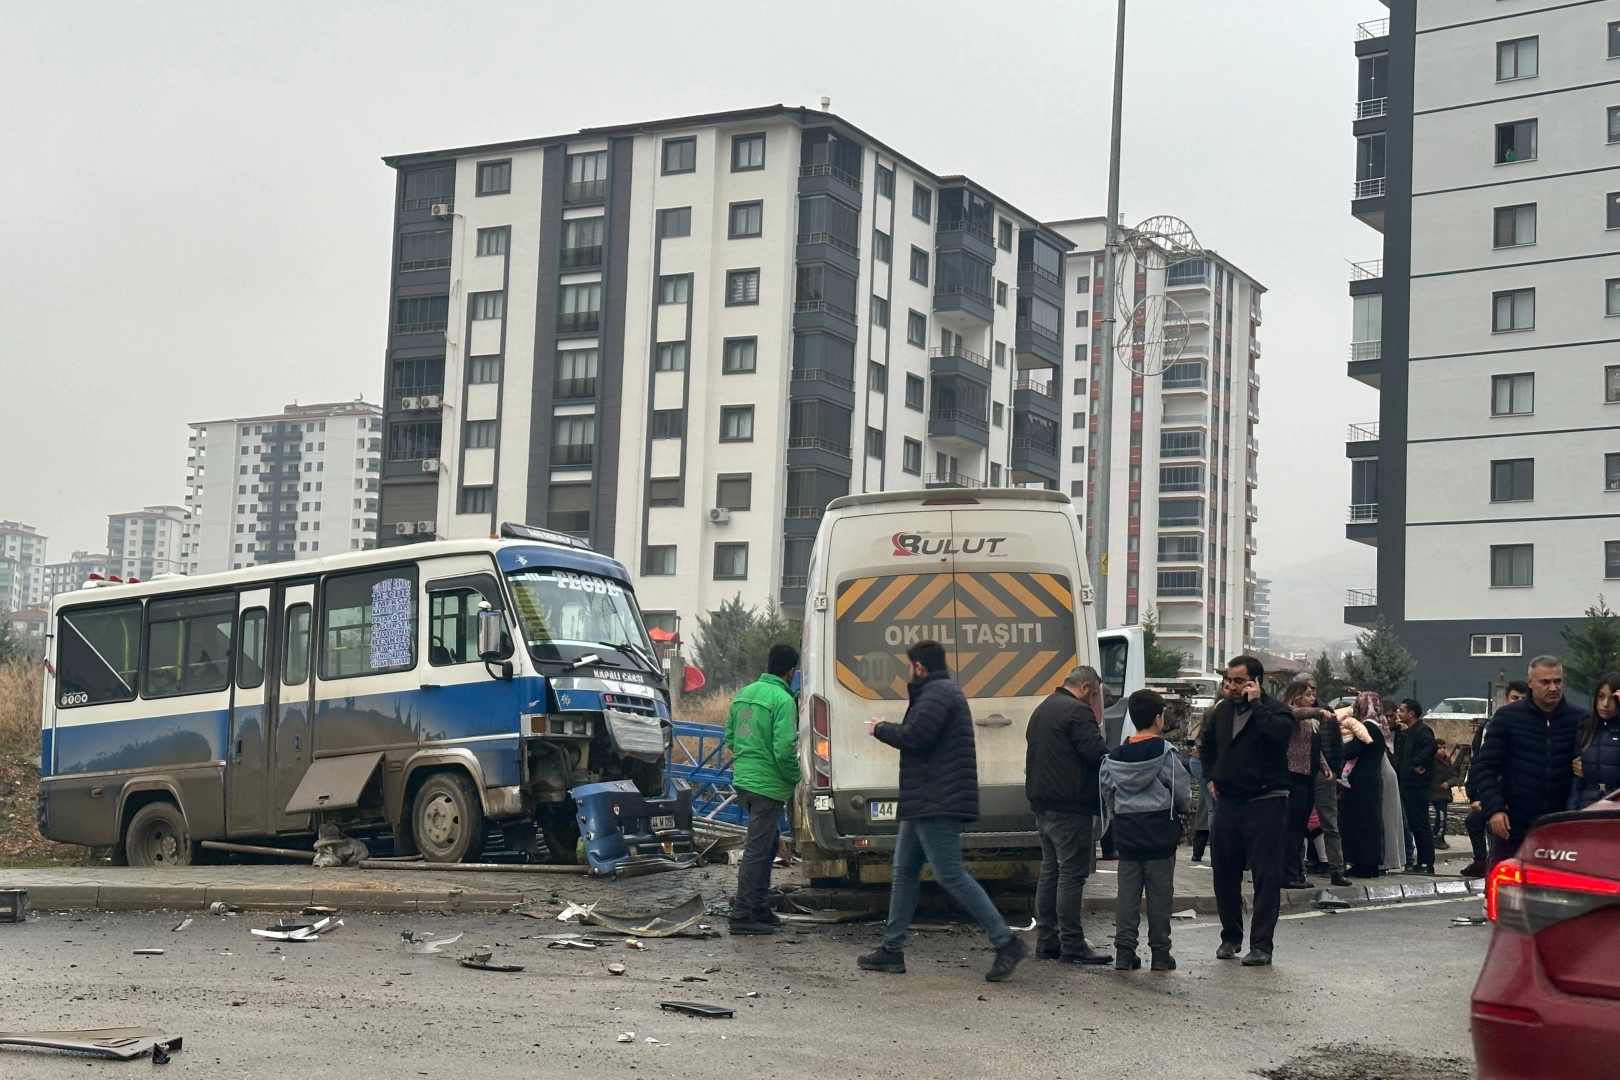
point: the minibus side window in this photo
(98, 653)
(368, 622)
(295, 657)
(188, 644)
(453, 623)
(250, 654)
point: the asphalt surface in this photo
(1377, 992)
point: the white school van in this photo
(996, 575)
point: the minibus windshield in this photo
(570, 608)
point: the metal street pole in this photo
(1102, 447)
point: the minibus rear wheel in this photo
(158, 836)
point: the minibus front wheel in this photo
(447, 820)
(158, 836)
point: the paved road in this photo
(354, 1005)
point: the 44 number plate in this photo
(883, 809)
(662, 821)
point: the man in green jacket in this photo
(762, 734)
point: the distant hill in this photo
(1307, 599)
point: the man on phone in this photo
(1244, 750)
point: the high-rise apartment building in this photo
(69, 576)
(681, 339)
(1260, 631)
(147, 542)
(297, 484)
(1185, 448)
(1484, 142)
(22, 581)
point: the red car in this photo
(1547, 1003)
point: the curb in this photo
(199, 897)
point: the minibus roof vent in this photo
(511, 530)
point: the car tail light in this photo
(820, 744)
(1529, 898)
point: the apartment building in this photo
(681, 339)
(1260, 609)
(1185, 448)
(69, 576)
(148, 542)
(296, 484)
(1486, 137)
(22, 580)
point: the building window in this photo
(1611, 383)
(675, 288)
(914, 392)
(658, 560)
(1611, 472)
(730, 562)
(1516, 141)
(747, 152)
(581, 309)
(1001, 293)
(1004, 229)
(880, 311)
(582, 242)
(412, 442)
(747, 219)
(922, 202)
(680, 156)
(1614, 123)
(1516, 59)
(1513, 480)
(917, 329)
(734, 491)
(668, 423)
(494, 177)
(885, 181)
(576, 373)
(737, 423)
(1611, 558)
(672, 356)
(676, 221)
(877, 377)
(1001, 354)
(1514, 310)
(587, 177)
(1515, 225)
(911, 457)
(477, 500)
(1614, 39)
(874, 443)
(424, 187)
(491, 241)
(998, 413)
(919, 266)
(480, 434)
(488, 305)
(1502, 644)
(1513, 395)
(1611, 302)
(666, 492)
(882, 246)
(742, 287)
(421, 314)
(741, 355)
(1512, 565)
(425, 250)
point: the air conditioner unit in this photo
(404, 528)
(424, 528)
(719, 515)
(410, 404)
(441, 209)
(430, 464)
(432, 401)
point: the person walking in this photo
(1304, 751)
(762, 733)
(1440, 793)
(1415, 750)
(1475, 822)
(939, 792)
(1361, 817)
(1064, 746)
(1523, 769)
(1244, 747)
(1597, 768)
(1144, 789)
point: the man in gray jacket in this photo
(1144, 788)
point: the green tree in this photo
(1158, 662)
(1380, 664)
(770, 628)
(722, 644)
(1594, 649)
(1328, 685)
(11, 646)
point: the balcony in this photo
(1367, 201)
(579, 258)
(804, 513)
(579, 322)
(572, 455)
(1361, 440)
(1361, 607)
(1368, 189)
(564, 389)
(1372, 108)
(966, 300)
(951, 480)
(1034, 461)
(1372, 30)
(585, 191)
(959, 425)
(960, 362)
(1038, 398)
(1367, 270)
(1362, 513)
(1361, 523)
(967, 236)
(1043, 343)
(824, 179)
(829, 248)
(826, 384)
(1251, 511)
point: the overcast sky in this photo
(196, 221)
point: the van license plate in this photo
(884, 810)
(663, 821)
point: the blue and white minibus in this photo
(430, 690)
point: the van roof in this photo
(951, 495)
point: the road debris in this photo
(1470, 920)
(425, 944)
(693, 978)
(13, 905)
(698, 1008)
(120, 1044)
(632, 943)
(148, 952)
(1328, 900)
(572, 913)
(1188, 915)
(220, 907)
(572, 943)
(296, 929)
(616, 969)
(660, 924)
(480, 960)
(627, 1036)
(184, 924)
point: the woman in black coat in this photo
(1597, 769)
(1361, 813)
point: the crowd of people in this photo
(1266, 780)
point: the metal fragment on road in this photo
(698, 1008)
(1328, 900)
(571, 943)
(480, 960)
(426, 944)
(184, 923)
(1186, 916)
(661, 924)
(148, 952)
(571, 912)
(121, 1044)
(220, 907)
(627, 1036)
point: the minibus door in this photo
(246, 771)
(290, 739)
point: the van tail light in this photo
(1529, 898)
(820, 744)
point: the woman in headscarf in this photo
(1597, 769)
(1361, 813)
(1304, 752)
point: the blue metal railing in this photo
(698, 757)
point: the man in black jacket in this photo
(1475, 822)
(1415, 750)
(1244, 748)
(939, 792)
(1065, 747)
(1523, 769)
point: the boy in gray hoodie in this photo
(1144, 788)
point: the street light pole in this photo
(1102, 447)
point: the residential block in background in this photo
(22, 566)
(148, 542)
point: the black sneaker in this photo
(882, 959)
(1085, 955)
(1163, 961)
(1424, 868)
(1228, 950)
(1257, 958)
(750, 927)
(1126, 960)
(1008, 957)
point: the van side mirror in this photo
(491, 628)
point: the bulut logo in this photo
(910, 544)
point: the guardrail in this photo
(1361, 598)
(1372, 28)
(1362, 432)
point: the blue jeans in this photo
(936, 841)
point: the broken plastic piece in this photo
(160, 1054)
(832, 917)
(122, 1044)
(662, 924)
(1327, 900)
(1019, 929)
(697, 1008)
(423, 944)
(296, 929)
(574, 911)
(571, 943)
(693, 978)
(148, 952)
(1470, 920)
(1188, 915)
(480, 960)
(184, 923)
(627, 1036)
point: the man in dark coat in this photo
(1065, 747)
(1475, 822)
(1244, 748)
(1523, 769)
(939, 793)
(1415, 750)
